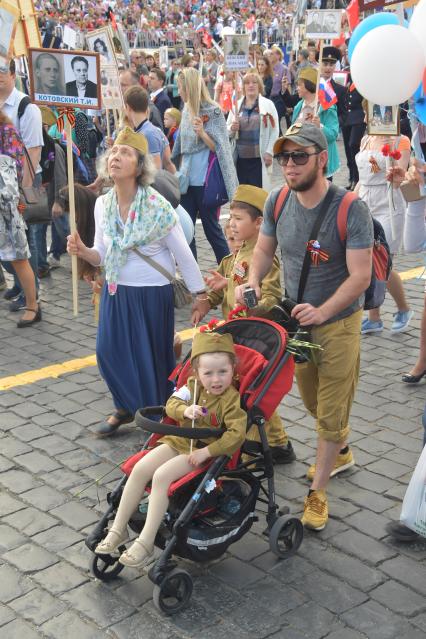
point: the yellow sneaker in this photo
(343, 462)
(315, 515)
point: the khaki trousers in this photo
(327, 384)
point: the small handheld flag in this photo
(326, 94)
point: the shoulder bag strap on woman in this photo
(155, 265)
(30, 164)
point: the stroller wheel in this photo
(174, 592)
(286, 536)
(106, 567)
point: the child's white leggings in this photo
(163, 466)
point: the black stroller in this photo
(214, 506)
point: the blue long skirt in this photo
(134, 345)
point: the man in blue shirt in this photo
(137, 112)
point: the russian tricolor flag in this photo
(326, 94)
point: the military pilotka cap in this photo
(308, 73)
(252, 195)
(211, 343)
(47, 116)
(303, 134)
(136, 140)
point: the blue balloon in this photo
(420, 103)
(186, 223)
(370, 23)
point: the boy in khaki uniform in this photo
(245, 221)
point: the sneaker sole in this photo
(336, 471)
(371, 330)
(315, 529)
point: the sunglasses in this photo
(298, 157)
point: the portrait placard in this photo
(163, 57)
(236, 52)
(100, 41)
(382, 120)
(112, 97)
(341, 77)
(64, 78)
(367, 5)
(323, 24)
(70, 37)
(9, 17)
(27, 31)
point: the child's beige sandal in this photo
(109, 545)
(137, 556)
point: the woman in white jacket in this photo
(254, 130)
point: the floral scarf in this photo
(150, 218)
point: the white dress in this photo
(377, 193)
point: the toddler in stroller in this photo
(195, 510)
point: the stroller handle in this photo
(142, 420)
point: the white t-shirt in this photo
(171, 249)
(29, 125)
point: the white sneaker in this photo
(52, 261)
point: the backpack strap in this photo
(342, 214)
(23, 105)
(280, 203)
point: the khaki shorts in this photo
(327, 385)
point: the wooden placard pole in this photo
(319, 76)
(115, 116)
(108, 123)
(73, 226)
(235, 100)
(200, 81)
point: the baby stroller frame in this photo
(172, 585)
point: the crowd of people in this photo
(152, 24)
(189, 139)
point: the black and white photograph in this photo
(100, 42)
(65, 78)
(236, 52)
(110, 87)
(323, 24)
(8, 21)
(382, 119)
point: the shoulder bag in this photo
(182, 296)
(214, 194)
(33, 200)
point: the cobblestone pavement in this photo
(347, 582)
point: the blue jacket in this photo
(330, 128)
(162, 102)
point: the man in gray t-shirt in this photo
(331, 305)
(297, 222)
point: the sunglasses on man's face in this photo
(298, 157)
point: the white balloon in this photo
(417, 24)
(387, 65)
